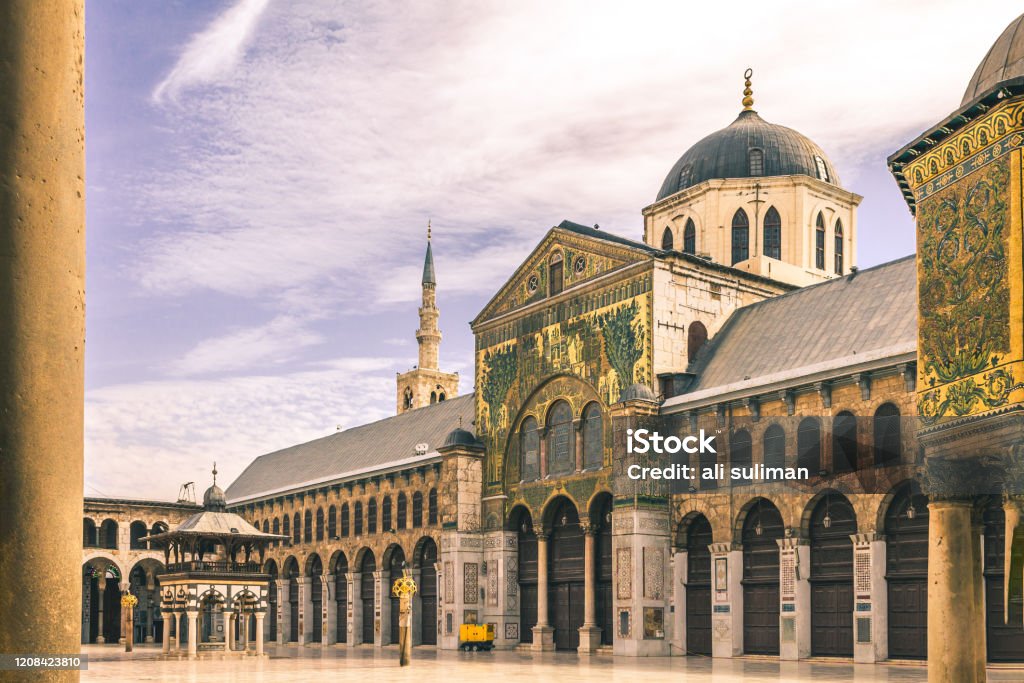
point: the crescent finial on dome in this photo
(748, 100)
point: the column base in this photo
(100, 640)
(543, 639)
(590, 639)
(150, 639)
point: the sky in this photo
(260, 175)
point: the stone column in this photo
(42, 300)
(355, 602)
(578, 442)
(101, 587)
(305, 609)
(330, 629)
(794, 599)
(229, 629)
(590, 633)
(379, 610)
(193, 633)
(284, 614)
(871, 599)
(259, 634)
(953, 650)
(178, 642)
(543, 632)
(165, 646)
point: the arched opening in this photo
(601, 519)
(396, 563)
(772, 234)
(385, 514)
(407, 399)
(666, 240)
(555, 275)
(775, 446)
(819, 242)
(838, 247)
(565, 574)
(136, 531)
(755, 160)
(108, 534)
(529, 450)
(762, 529)
(522, 523)
(417, 510)
(593, 437)
(887, 434)
(690, 237)
(427, 562)
(561, 459)
(101, 602)
(212, 628)
(432, 507)
(332, 523)
(307, 527)
(319, 524)
(271, 569)
(695, 338)
(291, 574)
(808, 445)
(403, 510)
(367, 594)
(371, 516)
(433, 397)
(741, 456)
(345, 521)
(357, 523)
(833, 521)
(147, 619)
(698, 585)
(440, 397)
(286, 529)
(1004, 641)
(313, 574)
(844, 442)
(341, 598)
(740, 236)
(906, 563)
(89, 537)
(297, 529)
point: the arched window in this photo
(772, 234)
(822, 168)
(433, 397)
(286, 529)
(266, 526)
(407, 398)
(555, 277)
(559, 434)
(402, 510)
(371, 516)
(756, 159)
(296, 528)
(819, 242)
(844, 442)
(432, 507)
(345, 522)
(417, 510)
(440, 397)
(529, 449)
(690, 237)
(666, 239)
(108, 534)
(319, 524)
(887, 434)
(307, 528)
(775, 446)
(684, 176)
(88, 533)
(332, 523)
(740, 456)
(357, 523)
(277, 528)
(385, 514)
(808, 445)
(839, 247)
(695, 339)
(136, 531)
(593, 437)
(740, 236)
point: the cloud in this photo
(278, 341)
(213, 53)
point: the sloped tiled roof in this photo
(386, 444)
(861, 317)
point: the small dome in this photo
(727, 154)
(214, 500)
(638, 391)
(460, 437)
(1004, 61)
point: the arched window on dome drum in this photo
(561, 458)
(819, 242)
(529, 448)
(819, 163)
(593, 438)
(740, 236)
(555, 275)
(844, 442)
(887, 434)
(371, 516)
(690, 237)
(432, 507)
(839, 247)
(666, 240)
(808, 445)
(756, 158)
(775, 446)
(772, 234)
(695, 339)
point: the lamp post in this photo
(128, 602)
(404, 589)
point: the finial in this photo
(215, 473)
(428, 229)
(748, 101)
(460, 422)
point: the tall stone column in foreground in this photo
(42, 315)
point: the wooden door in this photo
(906, 531)
(833, 521)
(428, 595)
(762, 528)
(366, 592)
(698, 587)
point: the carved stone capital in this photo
(961, 479)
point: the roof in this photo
(428, 267)
(726, 154)
(378, 446)
(1003, 61)
(863, 317)
(607, 236)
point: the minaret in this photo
(426, 384)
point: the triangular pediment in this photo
(587, 253)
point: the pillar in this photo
(305, 609)
(680, 564)
(355, 601)
(42, 298)
(794, 599)
(177, 630)
(193, 633)
(953, 650)
(543, 632)
(578, 443)
(590, 633)
(259, 634)
(330, 629)
(726, 600)
(284, 613)
(165, 646)
(871, 599)
(229, 629)
(379, 608)
(101, 587)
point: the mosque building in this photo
(740, 312)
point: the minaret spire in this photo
(428, 263)
(428, 335)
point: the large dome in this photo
(727, 154)
(1004, 61)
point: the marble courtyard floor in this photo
(292, 663)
